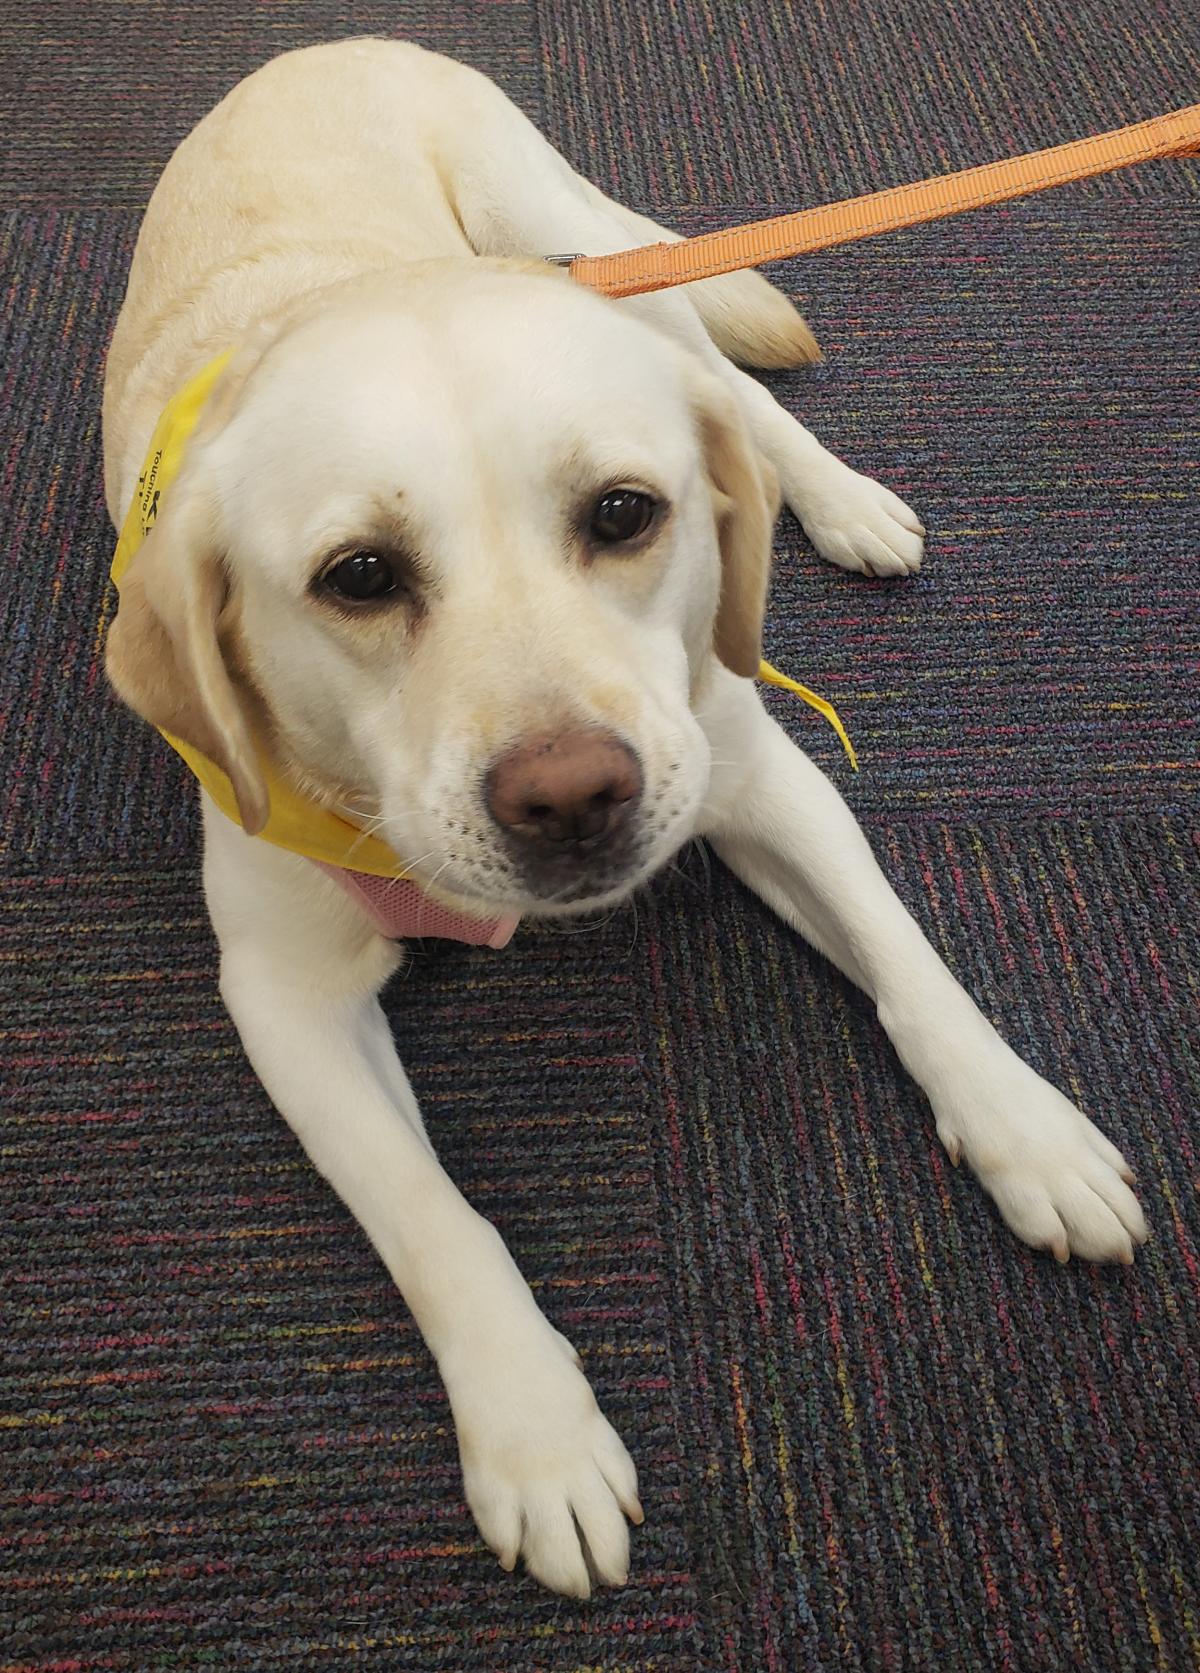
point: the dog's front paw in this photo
(858, 524)
(545, 1474)
(1057, 1181)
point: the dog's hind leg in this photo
(747, 317)
(516, 195)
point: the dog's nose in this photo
(565, 794)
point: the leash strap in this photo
(658, 266)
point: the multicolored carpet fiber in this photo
(873, 1432)
(693, 101)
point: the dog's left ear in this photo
(168, 654)
(165, 655)
(745, 494)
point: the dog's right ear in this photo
(745, 496)
(164, 655)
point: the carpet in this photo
(873, 1432)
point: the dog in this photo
(482, 557)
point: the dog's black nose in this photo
(565, 795)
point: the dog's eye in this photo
(621, 514)
(360, 577)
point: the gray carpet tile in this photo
(99, 95)
(702, 102)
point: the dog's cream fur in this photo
(362, 223)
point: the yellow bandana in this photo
(295, 822)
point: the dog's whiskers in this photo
(372, 827)
(675, 866)
(590, 925)
(380, 822)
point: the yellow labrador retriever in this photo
(465, 546)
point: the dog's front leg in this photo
(545, 1474)
(781, 826)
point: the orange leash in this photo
(657, 266)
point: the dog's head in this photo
(459, 552)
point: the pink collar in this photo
(401, 910)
